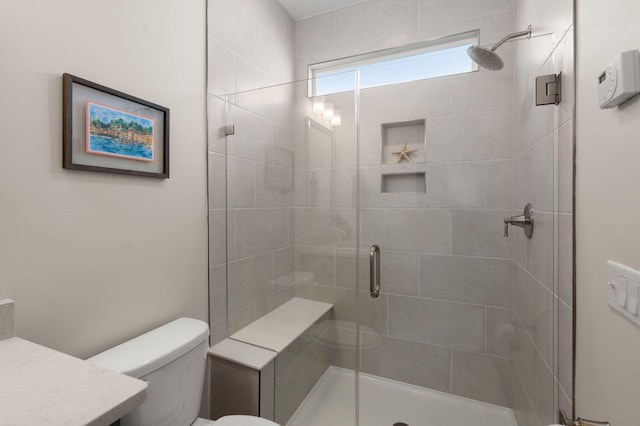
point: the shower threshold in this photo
(385, 402)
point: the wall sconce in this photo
(336, 120)
(318, 105)
(327, 114)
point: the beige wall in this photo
(93, 259)
(607, 197)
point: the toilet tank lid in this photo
(150, 351)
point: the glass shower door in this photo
(291, 229)
(463, 322)
(325, 238)
(462, 329)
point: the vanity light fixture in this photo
(327, 114)
(336, 120)
(318, 105)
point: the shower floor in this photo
(385, 402)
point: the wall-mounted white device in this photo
(620, 80)
(624, 290)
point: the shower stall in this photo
(391, 202)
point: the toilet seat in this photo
(243, 421)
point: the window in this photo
(437, 58)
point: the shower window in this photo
(435, 58)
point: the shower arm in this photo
(526, 32)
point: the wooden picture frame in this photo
(105, 130)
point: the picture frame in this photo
(105, 130)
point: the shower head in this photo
(488, 58)
(485, 58)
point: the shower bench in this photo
(243, 366)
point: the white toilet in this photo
(171, 359)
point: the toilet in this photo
(171, 359)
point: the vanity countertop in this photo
(41, 386)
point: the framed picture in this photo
(105, 130)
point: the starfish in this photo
(404, 154)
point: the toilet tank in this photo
(171, 359)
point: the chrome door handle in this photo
(374, 271)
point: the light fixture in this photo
(336, 120)
(328, 111)
(318, 105)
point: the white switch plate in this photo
(633, 299)
(623, 285)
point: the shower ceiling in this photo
(300, 9)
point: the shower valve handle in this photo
(524, 221)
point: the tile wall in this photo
(250, 45)
(445, 315)
(299, 367)
(7, 310)
(463, 309)
(543, 352)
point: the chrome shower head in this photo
(488, 58)
(485, 58)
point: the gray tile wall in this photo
(483, 135)
(250, 45)
(543, 301)
(7, 309)
(445, 317)
(299, 367)
(488, 151)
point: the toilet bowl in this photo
(171, 359)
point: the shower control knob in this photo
(524, 221)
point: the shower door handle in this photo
(374, 271)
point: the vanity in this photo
(39, 385)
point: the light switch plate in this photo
(633, 298)
(623, 290)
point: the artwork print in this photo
(118, 133)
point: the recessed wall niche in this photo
(396, 135)
(411, 182)
(403, 144)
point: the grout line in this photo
(335, 266)
(435, 345)
(486, 187)
(563, 302)
(526, 392)
(387, 303)
(451, 232)
(419, 275)
(533, 342)
(485, 329)
(451, 371)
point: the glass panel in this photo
(463, 328)
(291, 230)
